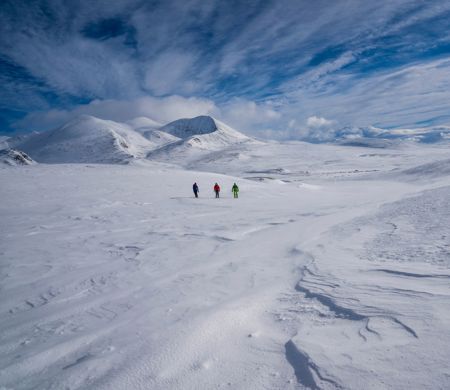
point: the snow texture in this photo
(331, 270)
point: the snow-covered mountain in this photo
(426, 135)
(198, 137)
(86, 140)
(13, 157)
(371, 136)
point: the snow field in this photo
(115, 277)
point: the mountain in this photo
(198, 137)
(150, 129)
(187, 127)
(86, 139)
(426, 135)
(375, 137)
(159, 138)
(15, 157)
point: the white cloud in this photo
(160, 109)
(234, 54)
(318, 122)
(248, 115)
(169, 73)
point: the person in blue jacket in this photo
(195, 189)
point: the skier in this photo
(235, 190)
(195, 189)
(216, 189)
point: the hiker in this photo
(195, 189)
(216, 189)
(235, 190)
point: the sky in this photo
(278, 69)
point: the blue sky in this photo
(270, 68)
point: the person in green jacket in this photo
(235, 190)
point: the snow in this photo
(199, 137)
(14, 157)
(187, 127)
(159, 138)
(86, 140)
(330, 271)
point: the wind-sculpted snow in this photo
(416, 230)
(330, 271)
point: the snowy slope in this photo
(429, 171)
(86, 139)
(212, 129)
(198, 138)
(334, 279)
(13, 157)
(158, 138)
(150, 129)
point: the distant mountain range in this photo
(88, 139)
(371, 136)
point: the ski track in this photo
(163, 291)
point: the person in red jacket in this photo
(217, 190)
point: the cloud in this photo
(170, 73)
(403, 97)
(160, 109)
(258, 65)
(318, 122)
(249, 116)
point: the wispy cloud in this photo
(261, 64)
